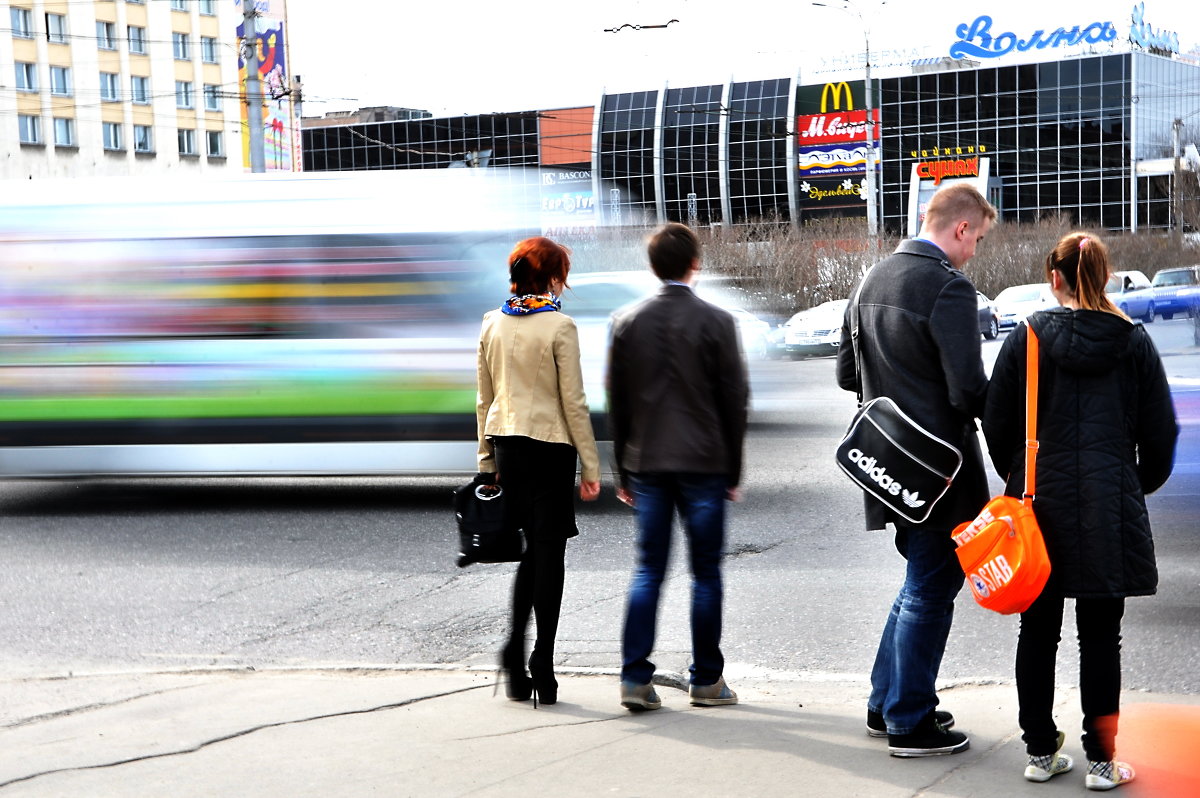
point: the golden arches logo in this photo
(836, 89)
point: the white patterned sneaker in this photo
(1107, 775)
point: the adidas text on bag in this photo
(897, 461)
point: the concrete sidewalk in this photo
(421, 732)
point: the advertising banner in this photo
(831, 131)
(568, 204)
(833, 192)
(281, 133)
(927, 177)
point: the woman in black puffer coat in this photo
(1107, 430)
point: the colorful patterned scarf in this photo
(531, 303)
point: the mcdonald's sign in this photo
(838, 91)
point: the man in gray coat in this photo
(919, 345)
(677, 412)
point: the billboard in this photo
(831, 145)
(281, 131)
(568, 202)
(926, 177)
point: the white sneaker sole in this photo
(1035, 773)
(913, 753)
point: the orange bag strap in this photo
(1031, 393)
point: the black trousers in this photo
(1098, 622)
(539, 483)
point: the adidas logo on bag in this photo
(879, 476)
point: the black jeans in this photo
(1098, 621)
(539, 482)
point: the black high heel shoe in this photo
(518, 686)
(545, 686)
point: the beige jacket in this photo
(531, 384)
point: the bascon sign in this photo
(936, 170)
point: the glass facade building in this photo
(1083, 137)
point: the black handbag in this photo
(896, 460)
(890, 456)
(482, 533)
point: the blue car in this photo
(1176, 291)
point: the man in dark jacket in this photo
(677, 412)
(918, 340)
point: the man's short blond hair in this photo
(959, 202)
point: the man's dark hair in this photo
(673, 249)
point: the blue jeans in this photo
(700, 499)
(914, 638)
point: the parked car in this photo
(1130, 291)
(816, 331)
(989, 325)
(1176, 291)
(1016, 302)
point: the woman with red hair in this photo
(534, 423)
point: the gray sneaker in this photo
(712, 695)
(639, 697)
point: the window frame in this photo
(179, 5)
(56, 36)
(69, 127)
(134, 96)
(114, 142)
(25, 72)
(149, 148)
(208, 8)
(137, 45)
(212, 91)
(21, 21)
(181, 46)
(106, 35)
(67, 90)
(209, 50)
(32, 124)
(185, 137)
(110, 81)
(209, 135)
(185, 95)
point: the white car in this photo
(1015, 303)
(817, 331)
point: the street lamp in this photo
(872, 202)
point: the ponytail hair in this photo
(1082, 260)
(535, 263)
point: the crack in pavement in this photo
(235, 735)
(965, 763)
(79, 710)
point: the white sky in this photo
(454, 58)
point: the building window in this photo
(212, 97)
(208, 8)
(21, 22)
(135, 2)
(143, 138)
(181, 46)
(110, 87)
(216, 144)
(112, 136)
(106, 35)
(137, 40)
(179, 5)
(64, 132)
(183, 94)
(187, 141)
(31, 129)
(139, 90)
(60, 81)
(26, 76)
(56, 28)
(208, 50)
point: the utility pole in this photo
(1176, 193)
(254, 95)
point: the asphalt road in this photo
(133, 574)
